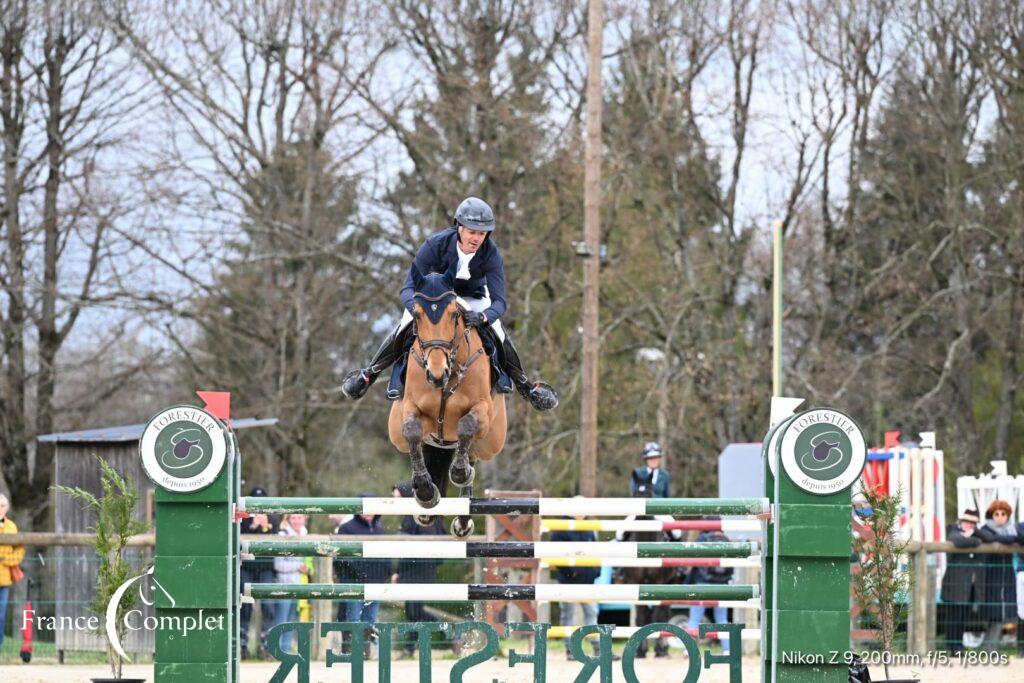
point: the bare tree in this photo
(67, 101)
(263, 122)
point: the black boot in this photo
(356, 383)
(541, 395)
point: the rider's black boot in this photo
(356, 383)
(541, 395)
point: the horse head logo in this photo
(185, 449)
(115, 602)
(824, 453)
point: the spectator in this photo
(361, 570)
(290, 570)
(415, 571)
(648, 614)
(650, 475)
(963, 585)
(577, 575)
(257, 571)
(10, 559)
(714, 575)
(1000, 601)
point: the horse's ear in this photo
(453, 270)
(417, 278)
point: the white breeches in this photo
(480, 305)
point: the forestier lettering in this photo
(480, 644)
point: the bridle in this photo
(452, 377)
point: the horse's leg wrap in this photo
(463, 526)
(461, 472)
(427, 495)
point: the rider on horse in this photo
(481, 284)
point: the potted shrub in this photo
(115, 523)
(881, 586)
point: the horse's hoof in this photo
(461, 476)
(426, 520)
(460, 529)
(435, 497)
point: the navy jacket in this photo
(486, 268)
(362, 569)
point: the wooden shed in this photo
(75, 569)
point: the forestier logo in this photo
(823, 451)
(479, 641)
(183, 449)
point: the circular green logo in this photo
(183, 448)
(822, 450)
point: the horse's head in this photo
(643, 486)
(438, 319)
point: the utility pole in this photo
(777, 275)
(592, 251)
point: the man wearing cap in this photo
(964, 583)
(260, 570)
(650, 480)
(480, 282)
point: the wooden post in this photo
(323, 610)
(917, 619)
(592, 261)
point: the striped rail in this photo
(554, 507)
(754, 604)
(463, 549)
(462, 592)
(724, 525)
(652, 562)
(628, 631)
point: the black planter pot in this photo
(118, 680)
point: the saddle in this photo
(500, 380)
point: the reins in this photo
(451, 346)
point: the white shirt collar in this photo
(464, 260)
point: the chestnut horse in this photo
(449, 402)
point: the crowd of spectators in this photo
(979, 590)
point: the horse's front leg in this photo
(463, 526)
(461, 472)
(427, 495)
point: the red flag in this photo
(892, 439)
(218, 403)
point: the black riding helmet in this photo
(475, 214)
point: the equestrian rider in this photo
(480, 282)
(651, 475)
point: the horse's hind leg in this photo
(427, 495)
(463, 526)
(437, 460)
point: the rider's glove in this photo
(476, 319)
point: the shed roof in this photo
(129, 433)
